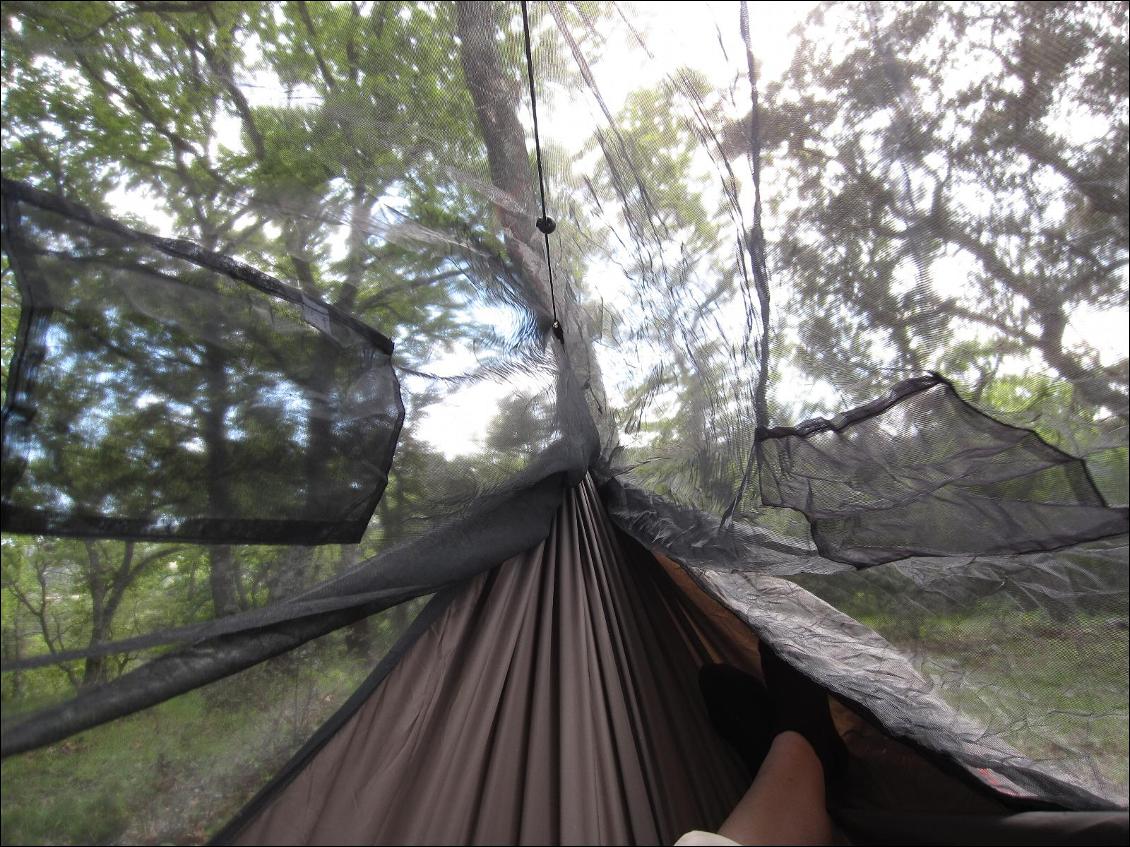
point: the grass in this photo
(87, 789)
(1055, 690)
(177, 772)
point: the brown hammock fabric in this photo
(556, 701)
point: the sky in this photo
(675, 33)
(705, 36)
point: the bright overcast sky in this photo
(677, 34)
(706, 37)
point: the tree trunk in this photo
(224, 574)
(107, 587)
(496, 105)
(97, 583)
(223, 578)
(496, 98)
(358, 635)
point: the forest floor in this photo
(1056, 691)
(177, 772)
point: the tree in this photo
(152, 112)
(377, 156)
(339, 183)
(954, 177)
(73, 592)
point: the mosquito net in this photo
(834, 312)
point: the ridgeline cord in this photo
(545, 223)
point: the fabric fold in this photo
(555, 701)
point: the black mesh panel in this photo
(921, 472)
(163, 391)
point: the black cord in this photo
(545, 223)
